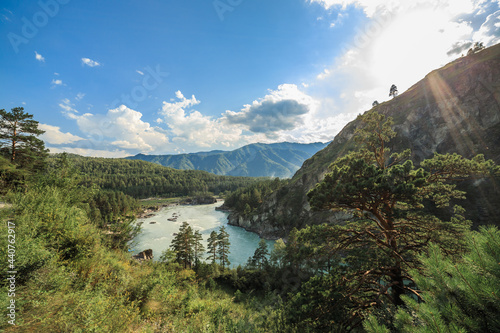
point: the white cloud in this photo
(121, 128)
(284, 114)
(191, 130)
(319, 123)
(489, 33)
(53, 135)
(123, 131)
(369, 6)
(139, 72)
(91, 152)
(282, 110)
(323, 74)
(6, 16)
(67, 106)
(90, 62)
(57, 82)
(318, 127)
(39, 57)
(376, 7)
(176, 110)
(79, 96)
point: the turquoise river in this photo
(158, 236)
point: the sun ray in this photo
(464, 130)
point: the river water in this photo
(204, 218)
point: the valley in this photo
(391, 227)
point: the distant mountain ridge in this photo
(255, 160)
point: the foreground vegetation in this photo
(394, 267)
(70, 279)
(72, 276)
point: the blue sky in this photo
(115, 78)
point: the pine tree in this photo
(278, 253)
(478, 46)
(256, 198)
(18, 139)
(223, 247)
(260, 255)
(10, 175)
(212, 248)
(198, 248)
(183, 245)
(393, 91)
(247, 210)
(460, 295)
(385, 194)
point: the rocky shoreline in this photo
(264, 230)
(149, 212)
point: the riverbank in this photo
(151, 206)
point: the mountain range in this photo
(255, 160)
(454, 109)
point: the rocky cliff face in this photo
(453, 109)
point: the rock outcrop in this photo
(453, 109)
(144, 255)
(149, 212)
(200, 200)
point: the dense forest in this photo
(246, 199)
(393, 267)
(141, 179)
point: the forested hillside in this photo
(256, 160)
(142, 179)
